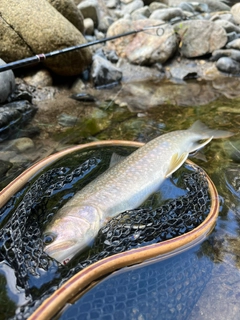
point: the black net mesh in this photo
(180, 205)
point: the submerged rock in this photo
(22, 144)
(44, 30)
(67, 120)
(13, 116)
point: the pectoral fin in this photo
(176, 162)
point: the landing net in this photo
(181, 204)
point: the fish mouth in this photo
(56, 247)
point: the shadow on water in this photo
(201, 283)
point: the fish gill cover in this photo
(181, 204)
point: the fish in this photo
(125, 185)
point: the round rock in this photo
(44, 30)
(41, 78)
(23, 144)
(7, 81)
(144, 48)
(235, 10)
(200, 37)
(228, 65)
(235, 44)
(167, 14)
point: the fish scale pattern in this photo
(21, 245)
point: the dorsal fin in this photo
(115, 158)
(201, 128)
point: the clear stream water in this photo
(203, 282)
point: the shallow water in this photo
(207, 277)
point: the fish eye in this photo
(48, 238)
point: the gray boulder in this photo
(7, 83)
(228, 65)
(230, 53)
(44, 30)
(200, 37)
(103, 72)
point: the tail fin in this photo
(201, 128)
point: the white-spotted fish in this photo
(124, 186)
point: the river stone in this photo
(88, 26)
(224, 15)
(112, 4)
(185, 6)
(144, 48)
(228, 65)
(235, 10)
(213, 5)
(167, 14)
(235, 44)
(41, 78)
(69, 10)
(98, 12)
(22, 144)
(232, 36)
(156, 5)
(90, 9)
(44, 30)
(144, 11)
(228, 26)
(103, 72)
(7, 83)
(200, 37)
(131, 7)
(230, 53)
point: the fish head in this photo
(71, 232)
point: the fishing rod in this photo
(43, 56)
